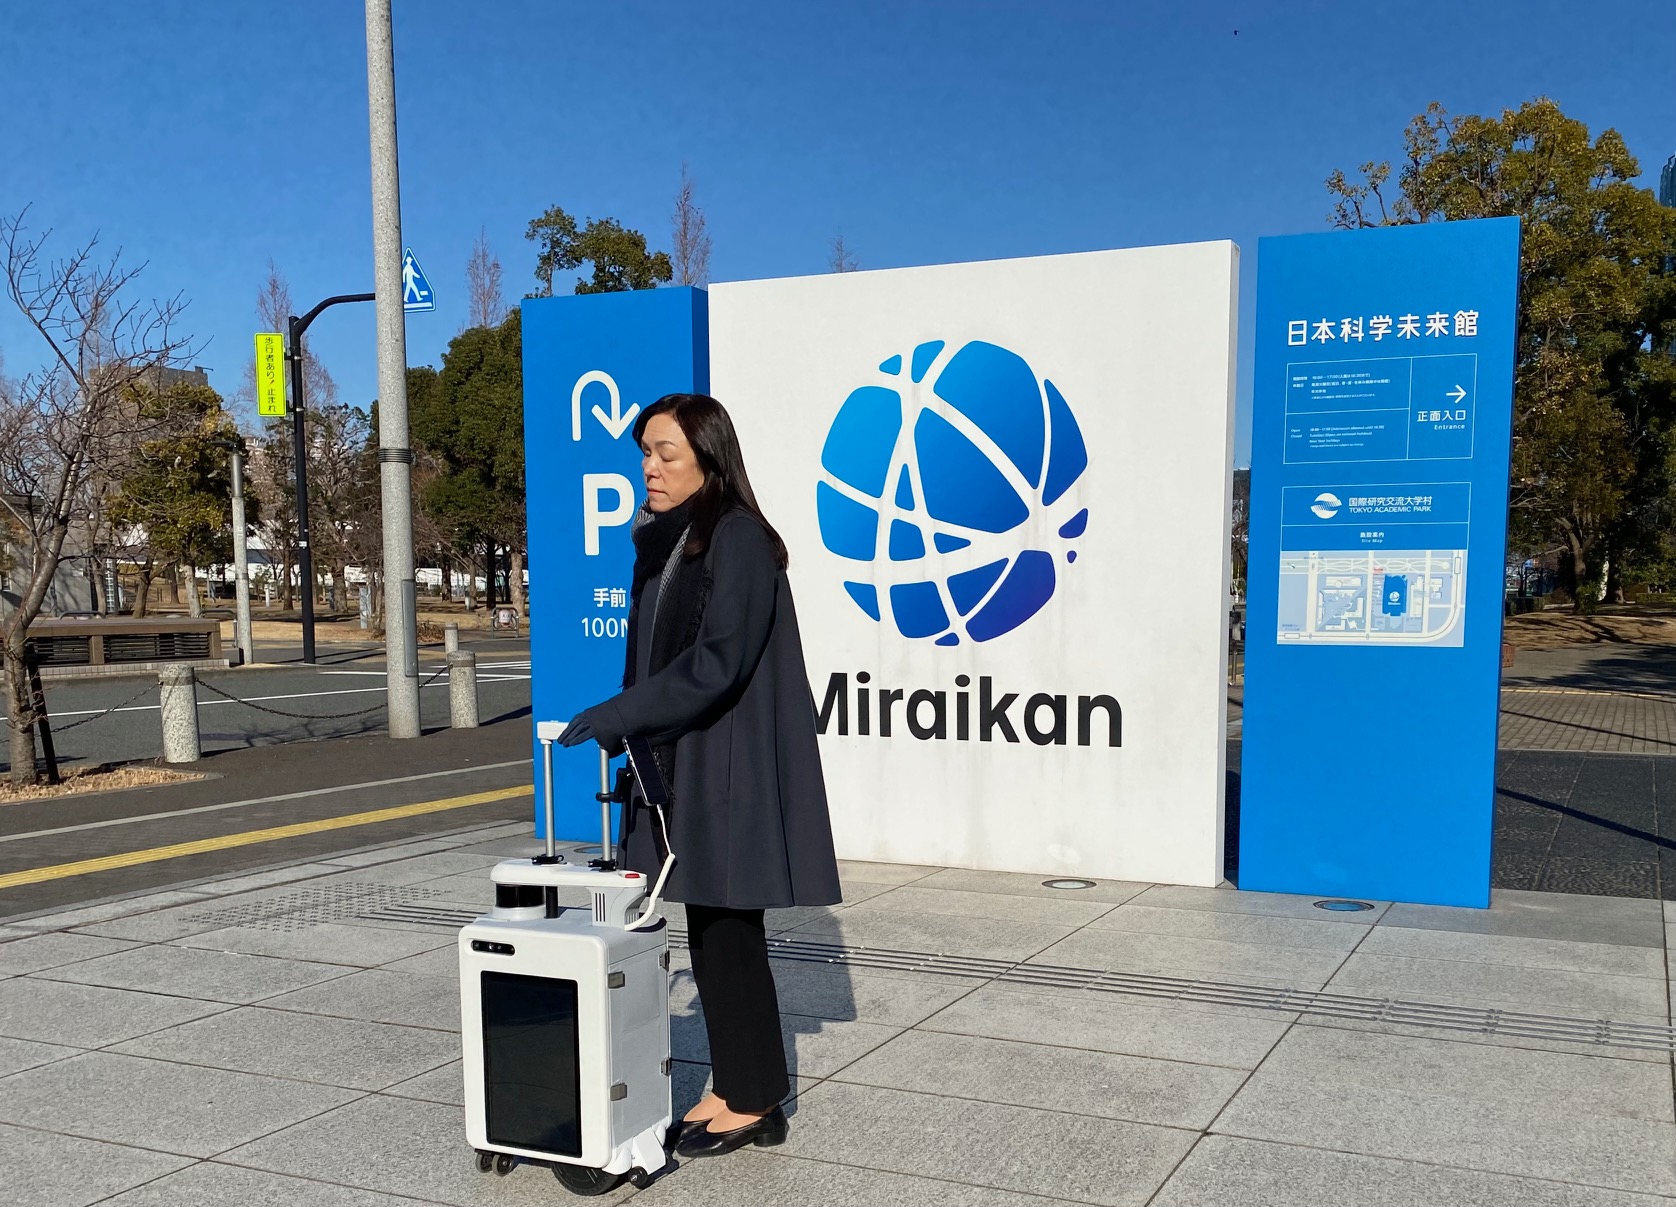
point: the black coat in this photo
(749, 825)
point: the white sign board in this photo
(1005, 487)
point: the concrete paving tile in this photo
(8, 933)
(1511, 915)
(897, 999)
(158, 1105)
(1180, 956)
(468, 888)
(62, 1171)
(1520, 952)
(351, 1053)
(1237, 901)
(439, 1085)
(821, 991)
(779, 921)
(1233, 1173)
(989, 938)
(1538, 990)
(1586, 1086)
(1105, 1161)
(1537, 1114)
(403, 1147)
(1500, 1038)
(441, 864)
(1580, 904)
(815, 1047)
(379, 996)
(218, 976)
(1105, 1084)
(1304, 934)
(209, 1184)
(960, 903)
(1108, 1023)
(17, 1055)
(323, 943)
(1024, 884)
(761, 1178)
(161, 926)
(883, 873)
(388, 854)
(508, 846)
(439, 961)
(52, 950)
(88, 1016)
(1541, 1140)
(861, 890)
(88, 915)
(266, 879)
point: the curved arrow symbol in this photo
(617, 422)
(1457, 394)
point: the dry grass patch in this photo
(81, 780)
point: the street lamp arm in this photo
(302, 323)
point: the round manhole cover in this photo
(1068, 884)
(1340, 906)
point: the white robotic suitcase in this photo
(564, 1013)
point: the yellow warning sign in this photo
(270, 375)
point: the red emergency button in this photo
(631, 875)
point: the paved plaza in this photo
(289, 1036)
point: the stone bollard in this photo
(179, 692)
(462, 689)
(451, 637)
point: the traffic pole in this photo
(241, 563)
(395, 458)
(299, 449)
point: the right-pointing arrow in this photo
(1457, 394)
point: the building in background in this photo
(1667, 182)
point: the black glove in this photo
(578, 731)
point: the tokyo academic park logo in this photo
(947, 484)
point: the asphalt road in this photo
(116, 719)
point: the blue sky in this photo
(207, 137)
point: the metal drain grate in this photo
(313, 906)
(1515, 1024)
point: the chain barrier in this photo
(58, 729)
(310, 716)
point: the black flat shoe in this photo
(682, 1129)
(764, 1133)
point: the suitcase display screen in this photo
(532, 1090)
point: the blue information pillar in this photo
(1380, 436)
(590, 363)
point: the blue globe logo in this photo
(949, 485)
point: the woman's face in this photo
(669, 464)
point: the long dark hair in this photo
(709, 430)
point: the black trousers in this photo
(729, 950)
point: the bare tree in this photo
(483, 294)
(691, 237)
(67, 424)
(842, 259)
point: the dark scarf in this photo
(683, 588)
(682, 594)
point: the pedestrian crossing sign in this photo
(416, 290)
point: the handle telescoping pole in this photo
(606, 854)
(547, 781)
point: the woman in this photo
(715, 680)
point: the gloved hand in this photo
(578, 731)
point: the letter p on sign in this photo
(594, 516)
